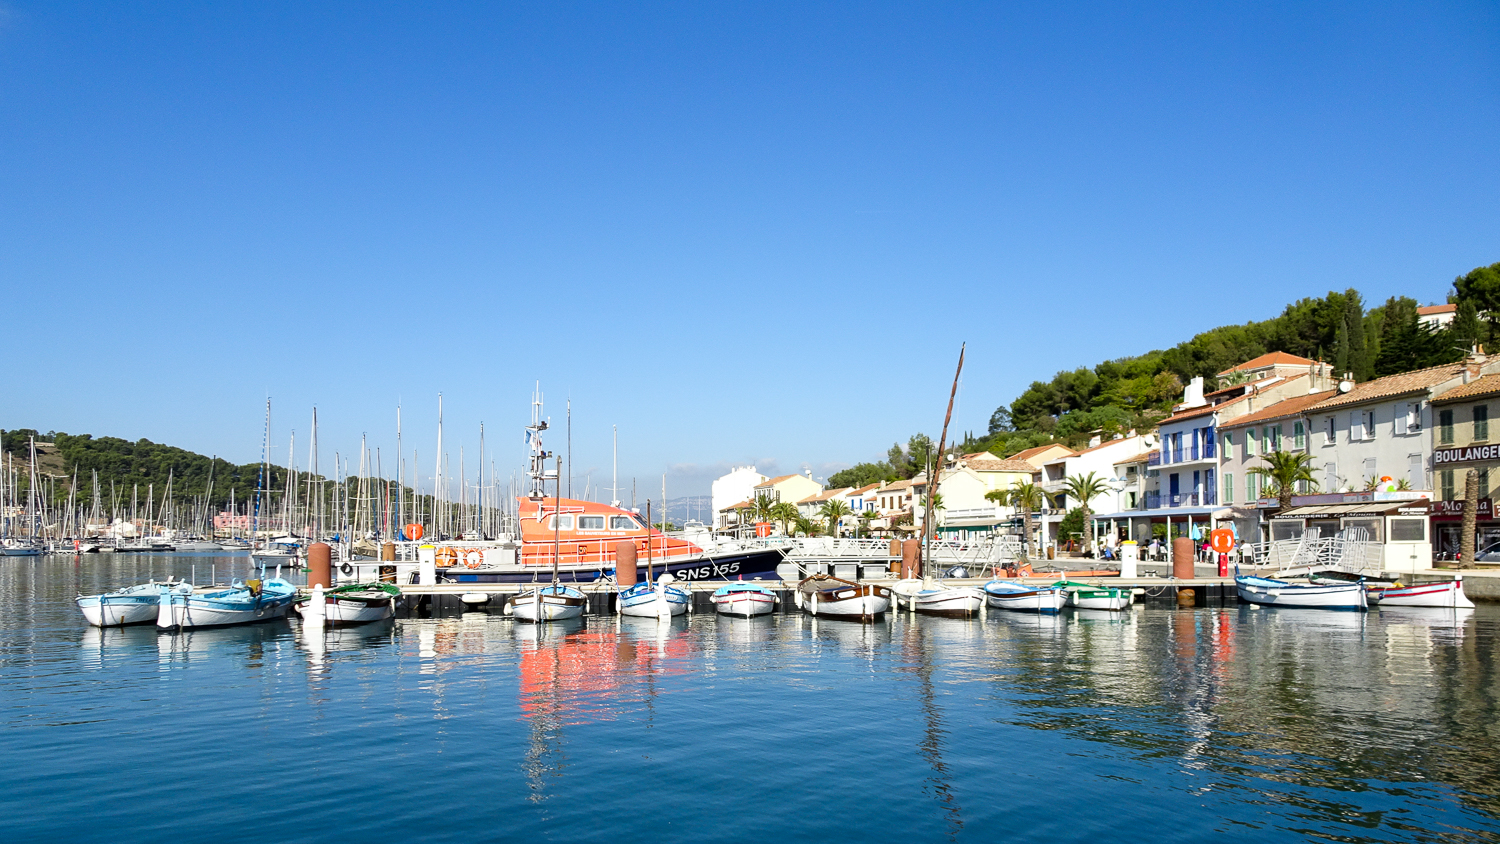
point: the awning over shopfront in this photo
(1174, 513)
(1367, 508)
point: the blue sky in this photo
(743, 234)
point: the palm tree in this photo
(866, 517)
(762, 509)
(786, 513)
(1283, 471)
(833, 511)
(1085, 488)
(1028, 498)
(805, 526)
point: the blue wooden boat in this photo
(1009, 595)
(647, 600)
(242, 603)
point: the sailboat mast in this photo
(937, 470)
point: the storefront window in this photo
(1370, 527)
(1408, 530)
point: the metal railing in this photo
(1349, 551)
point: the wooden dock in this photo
(1207, 591)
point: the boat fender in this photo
(346, 569)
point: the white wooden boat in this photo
(137, 604)
(834, 597)
(744, 599)
(1447, 593)
(1009, 595)
(653, 600)
(242, 603)
(1086, 597)
(355, 603)
(937, 599)
(1280, 593)
(547, 603)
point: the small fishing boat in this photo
(1009, 595)
(826, 595)
(744, 599)
(354, 603)
(242, 603)
(1281, 593)
(137, 604)
(936, 599)
(648, 600)
(1446, 594)
(547, 603)
(1084, 596)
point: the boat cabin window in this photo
(567, 523)
(623, 523)
(591, 523)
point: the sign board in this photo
(1449, 511)
(1221, 540)
(1473, 454)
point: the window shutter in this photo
(1370, 425)
(1402, 414)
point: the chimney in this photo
(1193, 395)
(1094, 440)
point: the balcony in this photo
(1154, 459)
(1153, 500)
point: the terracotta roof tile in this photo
(1279, 410)
(1200, 411)
(864, 489)
(1036, 450)
(1139, 458)
(1487, 385)
(1395, 385)
(1429, 310)
(775, 481)
(1010, 465)
(1270, 359)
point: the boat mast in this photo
(614, 472)
(937, 470)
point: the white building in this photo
(731, 489)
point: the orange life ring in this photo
(446, 557)
(473, 558)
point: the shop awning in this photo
(1344, 511)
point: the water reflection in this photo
(920, 642)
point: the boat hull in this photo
(760, 563)
(1020, 598)
(548, 604)
(833, 597)
(20, 552)
(225, 608)
(959, 603)
(744, 603)
(649, 603)
(344, 610)
(1278, 593)
(104, 611)
(1449, 595)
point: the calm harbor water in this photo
(1173, 724)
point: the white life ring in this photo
(473, 558)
